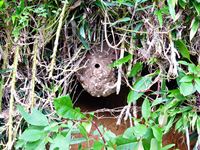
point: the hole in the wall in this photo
(87, 103)
(97, 66)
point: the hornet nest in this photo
(97, 78)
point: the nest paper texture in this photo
(97, 78)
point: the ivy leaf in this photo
(64, 108)
(194, 27)
(182, 48)
(186, 88)
(146, 109)
(36, 118)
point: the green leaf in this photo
(182, 48)
(83, 131)
(140, 86)
(125, 19)
(133, 96)
(194, 27)
(139, 130)
(179, 123)
(182, 3)
(168, 147)
(146, 109)
(85, 43)
(1, 3)
(127, 146)
(197, 84)
(121, 61)
(64, 108)
(39, 145)
(2, 71)
(198, 125)
(77, 141)
(192, 68)
(36, 118)
(31, 135)
(163, 117)
(19, 144)
(183, 63)
(52, 127)
(160, 17)
(158, 101)
(196, 6)
(82, 31)
(169, 124)
(157, 132)
(98, 145)
(136, 68)
(140, 145)
(154, 144)
(87, 125)
(171, 4)
(187, 88)
(187, 78)
(61, 142)
(129, 134)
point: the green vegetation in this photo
(42, 43)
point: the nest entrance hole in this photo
(97, 66)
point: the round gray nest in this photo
(97, 78)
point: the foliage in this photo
(43, 42)
(60, 134)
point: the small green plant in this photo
(59, 133)
(146, 134)
(189, 82)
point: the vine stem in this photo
(101, 134)
(11, 106)
(34, 73)
(57, 39)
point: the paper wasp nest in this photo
(97, 78)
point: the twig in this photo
(101, 134)
(119, 77)
(10, 120)
(32, 93)
(57, 39)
